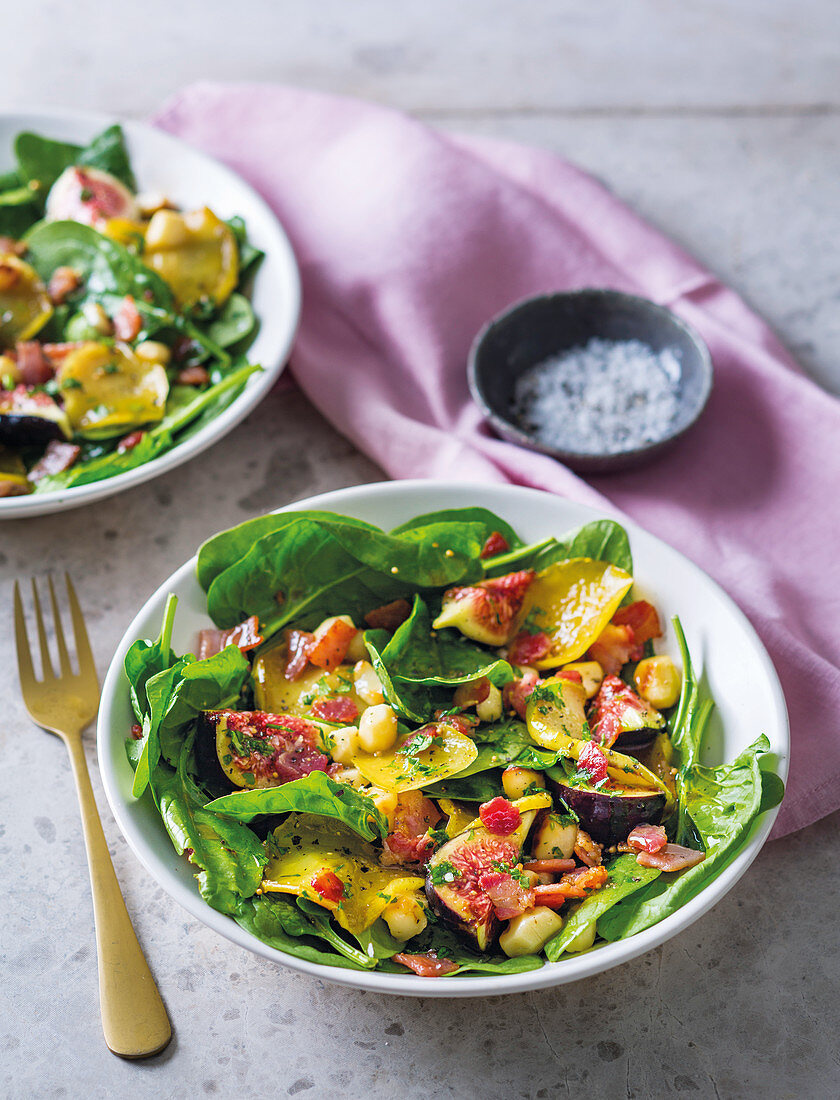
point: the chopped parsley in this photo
(443, 873)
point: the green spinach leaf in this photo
(41, 160)
(723, 804)
(312, 568)
(269, 917)
(230, 857)
(315, 793)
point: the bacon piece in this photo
(58, 456)
(593, 761)
(643, 620)
(647, 838)
(408, 841)
(527, 648)
(550, 866)
(613, 648)
(329, 886)
(576, 884)
(63, 281)
(245, 635)
(673, 857)
(329, 647)
(299, 645)
(10, 246)
(508, 896)
(389, 616)
(137, 731)
(129, 442)
(34, 369)
(496, 544)
(587, 850)
(56, 352)
(193, 376)
(499, 816)
(336, 710)
(426, 966)
(127, 320)
(570, 674)
(515, 693)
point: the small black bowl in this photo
(536, 329)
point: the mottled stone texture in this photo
(719, 123)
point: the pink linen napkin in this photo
(409, 239)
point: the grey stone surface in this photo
(720, 123)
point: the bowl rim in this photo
(569, 969)
(510, 430)
(257, 386)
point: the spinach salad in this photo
(437, 749)
(124, 321)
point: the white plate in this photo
(724, 646)
(191, 179)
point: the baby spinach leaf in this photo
(602, 540)
(144, 659)
(411, 701)
(626, 877)
(377, 942)
(315, 793)
(235, 322)
(311, 568)
(228, 854)
(226, 548)
(489, 521)
(472, 788)
(320, 921)
(42, 160)
(249, 254)
(211, 684)
(107, 269)
(269, 917)
(723, 803)
(443, 658)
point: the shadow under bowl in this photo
(545, 326)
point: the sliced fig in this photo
(259, 749)
(31, 417)
(453, 880)
(485, 612)
(91, 196)
(610, 813)
(620, 717)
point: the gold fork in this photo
(134, 1019)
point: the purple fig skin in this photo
(607, 816)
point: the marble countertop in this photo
(720, 124)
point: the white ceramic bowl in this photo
(723, 645)
(162, 163)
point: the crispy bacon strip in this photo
(673, 857)
(58, 456)
(576, 884)
(245, 635)
(389, 616)
(426, 966)
(647, 838)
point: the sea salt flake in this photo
(603, 397)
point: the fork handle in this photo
(134, 1018)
